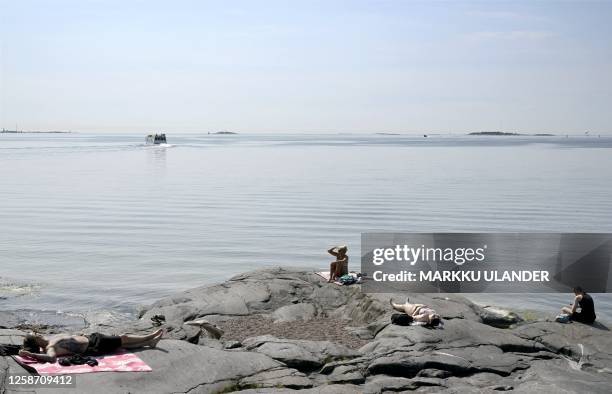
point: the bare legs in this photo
(405, 308)
(567, 310)
(332, 271)
(336, 270)
(136, 341)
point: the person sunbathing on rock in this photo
(584, 302)
(340, 266)
(47, 349)
(419, 312)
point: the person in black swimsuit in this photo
(583, 308)
(340, 266)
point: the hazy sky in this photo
(306, 66)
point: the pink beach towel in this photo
(119, 362)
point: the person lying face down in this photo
(47, 349)
(584, 302)
(419, 312)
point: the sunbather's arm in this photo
(575, 306)
(333, 252)
(342, 260)
(50, 357)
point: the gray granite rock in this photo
(347, 374)
(279, 377)
(177, 366)
(232, 345)
(300, 354)
(479, 349)
(558, 376)
(384, 384)
(301, 311)
(11, 336)
(456, 333)
(8, 320)
(324, 389)
(498, 317)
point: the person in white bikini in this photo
(419, 312)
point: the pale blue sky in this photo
(306, 66)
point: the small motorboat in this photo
(156, 139)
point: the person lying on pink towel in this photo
(48, 349)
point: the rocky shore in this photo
(286, 330)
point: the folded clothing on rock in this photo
(77, 359)
(349, 279)
(9, 350)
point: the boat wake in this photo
(159, 146)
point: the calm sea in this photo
(103, 222)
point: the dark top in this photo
(587, 307)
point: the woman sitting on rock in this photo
(585, 303)
(340, 266)
(419, 312)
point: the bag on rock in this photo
(9, 350)
(562, 318)
(347, 279)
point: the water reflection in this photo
(156, 159)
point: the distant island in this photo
(492, 133)
(222, 132)
(503, 133)
(34, 132)
(388, 133)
